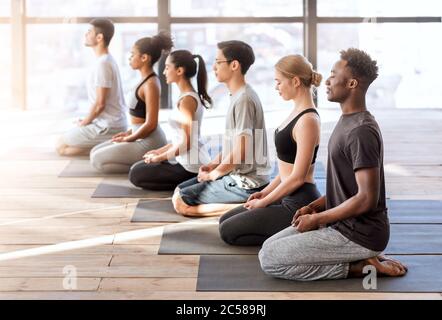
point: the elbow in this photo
(100, 107)
(367, 202)
(151, 125)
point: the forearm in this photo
(165, 148)
(216, 161)
(284, 188)
(272, 185)
(319, 204)
(171, 152)
(225, 167)
(143, 132)
(95, 111)
(353, 207)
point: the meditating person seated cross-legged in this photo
(107, 115)
(241, 168)
(337, 235)
(125, 148)
(180, 160)
(297, 141)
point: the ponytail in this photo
(202, 82)
(187, 60)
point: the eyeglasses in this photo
(218, 62)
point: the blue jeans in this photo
(223, 190)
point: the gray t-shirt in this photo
(356, 143)
(245, 116)
(107, 75)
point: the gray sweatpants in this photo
(320, 254)
(112, 157)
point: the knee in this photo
(134, 175)
(267, 260)
(275, 265)
(271, 262)
(96, 160)
(225, 233)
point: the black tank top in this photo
(285, 144)
(140, 109)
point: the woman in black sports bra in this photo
(126, 148)
(297, 141)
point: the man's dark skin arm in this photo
(310, 217)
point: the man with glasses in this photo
(242, 167)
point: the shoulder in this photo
(309, 119)
(364, 130)
(365, 133)
(105, 63)
(309, 124)
(152, 84)
(247, 101)
(188, 102)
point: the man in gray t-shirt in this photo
(107, 115)
(242, 168)
(245, 117)
(339, 234)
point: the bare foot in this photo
(383, 258)
(385, 267)
(178, 204)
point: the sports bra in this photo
(139, 110)
(285, 143)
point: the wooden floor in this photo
(48, 223)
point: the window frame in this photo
(164, 20)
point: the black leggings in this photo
(158, 176)
(244, 227)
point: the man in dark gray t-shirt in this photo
(355, 144)
(339, 234)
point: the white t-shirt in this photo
(105, 74)
(198, 154)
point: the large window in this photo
(379, 8)
(64, 62)
(403, 35)
(84, 8)
(408, 55)
(5, 8)
(270, 42)
(5, 66)
(235, 8)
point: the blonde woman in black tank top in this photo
(297, 140)
(126, 148)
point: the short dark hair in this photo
(240, 51)
(360, 64)
(105, 27)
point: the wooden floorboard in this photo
(48, 223)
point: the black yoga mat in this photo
(156, 211)
(122, 188)
(414, 211)
(198, 239)
(83, 168)
(205, 239)
(243, 273)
